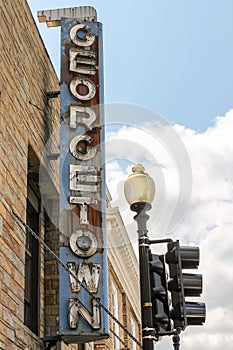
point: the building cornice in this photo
(122, 256)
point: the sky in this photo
(168, 88)
(174, 57)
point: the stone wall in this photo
(27, 117)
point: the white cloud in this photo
(208, 221)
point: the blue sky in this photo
(174, 57)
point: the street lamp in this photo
(139, 192)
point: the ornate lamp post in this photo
(139, 192)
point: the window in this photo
(86, 346)
(133, 331)
(31, 282)
(115, 313)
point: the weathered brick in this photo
(7, 301)
(55, 284)
(2, 210)
(5, 264)
(1, 225)
(50, 299)
(51, 321)
(18, 276)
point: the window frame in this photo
(115, 311)
(32, 260)
(133, 331)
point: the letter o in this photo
(81, 81)
(90, 237)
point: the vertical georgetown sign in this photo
(82, 178)
(82, 182)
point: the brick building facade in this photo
(28, 274)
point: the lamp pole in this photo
(176, 342)
(139, 192)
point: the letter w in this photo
(90, 273)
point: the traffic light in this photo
(159, 294)
(184, 313)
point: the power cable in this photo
(42, 110)
(76, 278)
(122, 342)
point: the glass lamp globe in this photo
(139, 186)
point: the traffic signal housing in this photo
(181, 285)
(159, 294)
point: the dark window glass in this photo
(31, 292)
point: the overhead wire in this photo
(40, 240)
(122, 341)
